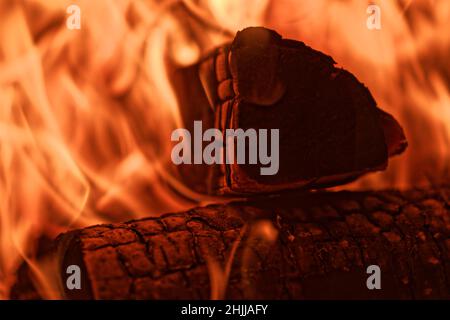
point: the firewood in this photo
(331, 130)
(297, 246)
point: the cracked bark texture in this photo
(325, 241)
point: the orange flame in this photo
(86, 115)
(405, 65)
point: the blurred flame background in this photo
(86, 115)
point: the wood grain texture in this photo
(325, 243)
(331, 129)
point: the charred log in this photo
(324, 243)
(331, 130)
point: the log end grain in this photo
(331, 130)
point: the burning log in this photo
(297, 246)
(331, 130)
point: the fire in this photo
(86, 115)
(405, 66)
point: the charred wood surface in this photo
(324, 243)
(331, 129)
